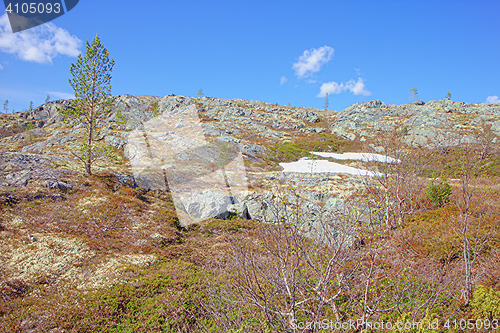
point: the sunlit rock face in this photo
(441, 122)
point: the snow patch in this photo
(365, 157)
(306, 165)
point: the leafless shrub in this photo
(470, 226)
(397, 186)
(292, 270)
(285, 276)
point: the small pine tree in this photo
(413, 94)
(92, 85)
(325, 106)
(448, 95)
(31, 105)
(6, 106)
(47, 99)
(200, 93)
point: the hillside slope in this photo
(109, 252)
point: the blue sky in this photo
(274, 51)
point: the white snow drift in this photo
(365, 157)
(306, 165)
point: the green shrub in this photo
(155, 107)
(439, 194)
(121, 119)
(486, 303)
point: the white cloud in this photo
(312, 60)
(493, 99)
(358, 87)
(330, 88)
(1, 67)
(60, 95)
(283, 80)
(39, 44)
(355, 87)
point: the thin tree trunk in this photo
(89, 151)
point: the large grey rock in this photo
(211, 204)
(34, 133)
(255, 209)
(57, 185)
(341, 132)
(40, 147)
(115, 141)
(250, 149)
(17, 169)
(239, 210)
(48, 112)
(495, 127)
(211, 129)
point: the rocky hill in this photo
(221, 118)
(423, 123)
(117, 237)
(264, 133)
(247, 122)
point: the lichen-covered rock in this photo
(425, 124)
(220, 116)
(17, 169)
(210, 204)
(57, 185)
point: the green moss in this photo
(161, 298)
(486, 303)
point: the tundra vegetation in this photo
(428, 249)
(415, 243)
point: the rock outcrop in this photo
(18, 169)
(221, 118)
(441, 122)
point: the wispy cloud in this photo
(493, 99)
(355, 87)
(312, 60)
(283, 80)
(40, 44)
(60, 95)
(1, 67)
